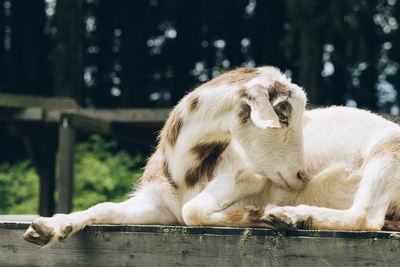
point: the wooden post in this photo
(66, 149)
(41, 146)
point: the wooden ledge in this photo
(153, 245)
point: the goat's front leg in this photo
(147, 206)
(211, 206)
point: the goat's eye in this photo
(284, 121)
(283, 109)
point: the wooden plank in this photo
(201, 246)
(21, 114)
(16, 218)
(66, 150)
(87, 123)
(24, 101)
(98, 117)
(126, 115)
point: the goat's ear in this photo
(261, 111)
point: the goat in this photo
(241, 151)
(215, 152)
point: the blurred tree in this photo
(186, 46)
(394, 53)
(29, 68)
(338, 52)
(68, 54)
(268, 33)
(134, 60)
(234, 29)
(307, 22)
(3, 68)
(150, 52)
(208, 51)
(368, 46)
(107, 26)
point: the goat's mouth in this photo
(284, 184)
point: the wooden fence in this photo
(48, 125)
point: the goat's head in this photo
(268, 126)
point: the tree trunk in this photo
(68, 57)
(134, 53)
(310, 65)
(3, 68)
(28, 66)
(268, 33)
(235, 31)
(186, 47)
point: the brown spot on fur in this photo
(244, 113)
(254, 214)
(207, 155)
(193, 101)
(242, 217)
(381, 149)
(157, 170)
(237, 76)
(168, 176)
(244, 93)
(172, 127)
(390, 225)
(278, 89)
(306, 120)
(234, 216)
(239, 174)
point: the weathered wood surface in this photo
(200, 246)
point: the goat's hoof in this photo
(391, 226)
(284, 218)
(39, 233)
(304, 224)
(277, 223)
(43, 231)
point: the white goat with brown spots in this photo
(232, 154)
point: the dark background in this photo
(148, 53)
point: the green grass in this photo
(102, 173)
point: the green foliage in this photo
(19, 188)
(102, 173)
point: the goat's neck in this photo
(209, 123)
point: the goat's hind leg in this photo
(377, 190)
(146, 206)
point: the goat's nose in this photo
(301, 175)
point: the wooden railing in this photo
(49, 125)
